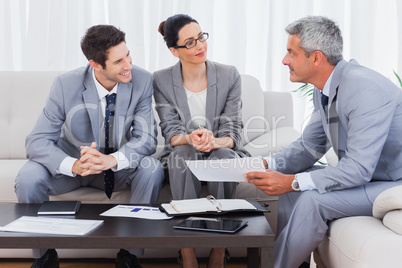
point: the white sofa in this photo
(268, 127)
(366, 242)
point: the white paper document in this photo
(142, 212)
(225, 169)
(51, 225)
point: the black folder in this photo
(59, 208)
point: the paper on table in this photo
(142, 212)
(225, 169)
(53, 225)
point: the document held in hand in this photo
(225, 169)
(209, 205)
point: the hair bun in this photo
(160, 29)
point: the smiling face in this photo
(194, 55)
(300, 66)
(118, 67)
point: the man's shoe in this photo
(49, 260)
(125, 259)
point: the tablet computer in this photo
(211, 224)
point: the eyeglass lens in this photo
(193, 43)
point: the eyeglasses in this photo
(193, 43)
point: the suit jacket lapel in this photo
(336, 79)
(333, 117)
(91, 100)
(180, 94)
(123, 98)
(212, 95)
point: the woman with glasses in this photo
(199, 105)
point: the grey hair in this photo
(318, 33)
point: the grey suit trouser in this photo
(34, 184)
(303, 216)
(184, 185)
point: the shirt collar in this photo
(103, 92)
(327, 85)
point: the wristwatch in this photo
(295, 184)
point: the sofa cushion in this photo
(250, 192)
(90, 195)
(359, 242)
(18, 114)
(393, 220)
(272, 142)
(9, 169)
(253, 118)
(388, 200)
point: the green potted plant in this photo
(399, 79)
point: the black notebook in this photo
(59, 208)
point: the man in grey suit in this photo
(80, 139)
(359, 115)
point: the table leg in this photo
(267, 257)
(253, 258)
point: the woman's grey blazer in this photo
(223, 111)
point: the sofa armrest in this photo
(388, 200)
(360, 241)
(278, 109)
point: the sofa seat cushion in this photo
(91, 195)
(9, 169)
(357, 242)
(250, 192)
(272, 141)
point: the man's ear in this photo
(318, 57)
(95, 65)
(174, 51)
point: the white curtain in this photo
(45, 34)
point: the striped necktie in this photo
(324, 100)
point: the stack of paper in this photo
(47, 225)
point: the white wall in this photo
(45, 34)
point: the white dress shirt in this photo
(197, 103)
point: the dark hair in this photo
(170, 28)
(98, 39)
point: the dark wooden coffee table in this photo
(117, 232)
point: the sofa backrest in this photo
(278, 109)
(23, 97)
(254, 123)
(24, 94)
